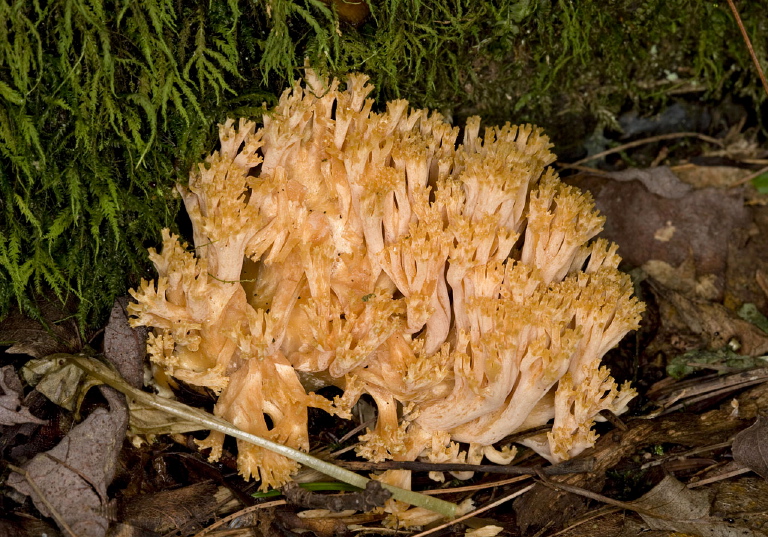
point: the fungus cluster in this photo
(455, 284)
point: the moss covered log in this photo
(104, 104)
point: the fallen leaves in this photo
(750, 447)
(671, 506)
(11, 410)
(654, 216)
(70, 481)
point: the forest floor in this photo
(690, 214)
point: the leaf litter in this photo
(698, 248)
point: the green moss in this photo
(105, 104)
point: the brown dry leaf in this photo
(750, 447)
(747, 264)
(56, 333)
(171, 510)
(324, 523)
(11, 410)
(74, 475)
(671, 506)
(683, 278)
(145, 420)
(704, 176)
(672, 224)
(60, 381)
(125, 346)
(659, 180)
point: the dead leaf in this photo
(671, 506)
(57, 379)
(319, 527)
(124, 345)
(659, 180)
(170, 510)
(56, 332)
(640, 212)
(11, 410)
(748, 264)
(750, 447)
(704, 176)
(74, 475)
(148, 420)
(683, 278)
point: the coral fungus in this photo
(452, 282)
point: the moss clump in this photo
(104, 104)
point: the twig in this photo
(479, 486)
(603, 511)
(686, 454)
(719, 477)
(748, 42)
(238, 514)
(697, 389)
(709, 394)
(54, 512)
(595, 496)
(354, 431)
(475, 512)
(644, 141)
(613, 419)
(749, 178)
(580, 168)
(569, 467)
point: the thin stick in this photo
(577, 466)
(713, 393)
(580, 168)
(237, 514)
(54, 512)
(475, 512)
(603, 511)
(101, 372)
(354, 431)
(749, 178)
(644, 141)
(479, 486)
(597, 497)
(718, 477)
(685, 455)
(748, 42)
